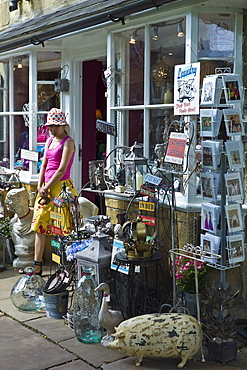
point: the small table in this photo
(141, 290)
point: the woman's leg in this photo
(40, 240)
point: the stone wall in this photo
(29, 9)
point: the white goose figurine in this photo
(108, 318)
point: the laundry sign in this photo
(186, 89)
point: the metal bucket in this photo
(56, 304)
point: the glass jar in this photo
(86, 309)
(27, 293)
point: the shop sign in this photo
(106, 127)
(30, 155)
(148, 220)
(146, 191)
(186, 89)
(176, 147)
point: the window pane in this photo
(159, 125)
(47, 97)
(4, 142)
(4, 96)
(167, 50)
(21, 141)
(49, 65)
(216, 35)
(129, 68)
(21, 81)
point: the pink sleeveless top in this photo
(54, 157)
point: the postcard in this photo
(210, 120)
(211, 90)
(232, 87)
(234, 217)
(210, 214)
(209, 185)
(233, 122)
(211, 154)
(235, 154)
(235, 248)
(234, 186)
(210, 245)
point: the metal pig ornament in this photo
(159, 335)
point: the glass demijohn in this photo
(86, 309)
(27, 293)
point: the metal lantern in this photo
(135, 168)
(97, 255)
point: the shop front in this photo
(116, 65)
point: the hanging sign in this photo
(186, 89)
(56, 230)
(148, 220)
(146, 206)
(56, 216)
(146, 191)
(106, 127)
(176, 147)
(56, 244)
(154, 180)
(58, 201)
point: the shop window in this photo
(167, 50)
(216, 35)
(128, 70)
(21, 81)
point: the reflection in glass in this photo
(159, 126)
(216, 35)
(21, 81)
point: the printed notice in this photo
(176, 148)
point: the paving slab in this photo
(7, 307)
(54, 329)
(167, 364)
(74, 365)
(24, 349)
(95, 354)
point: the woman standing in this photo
(55, 171)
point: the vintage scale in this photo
(135, 243)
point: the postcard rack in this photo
(221, 130)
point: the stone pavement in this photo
(32, 341)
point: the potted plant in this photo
(219, 325)
(6, 240)
(185, 277)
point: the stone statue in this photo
(20, 226)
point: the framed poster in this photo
(234, 217)
(233, 122)
(186, 89)
(235, 248)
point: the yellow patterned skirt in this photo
(51, 217)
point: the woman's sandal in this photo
(36, 263)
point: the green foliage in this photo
(185, 273)
(4, 228)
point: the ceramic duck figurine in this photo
(108, 319)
